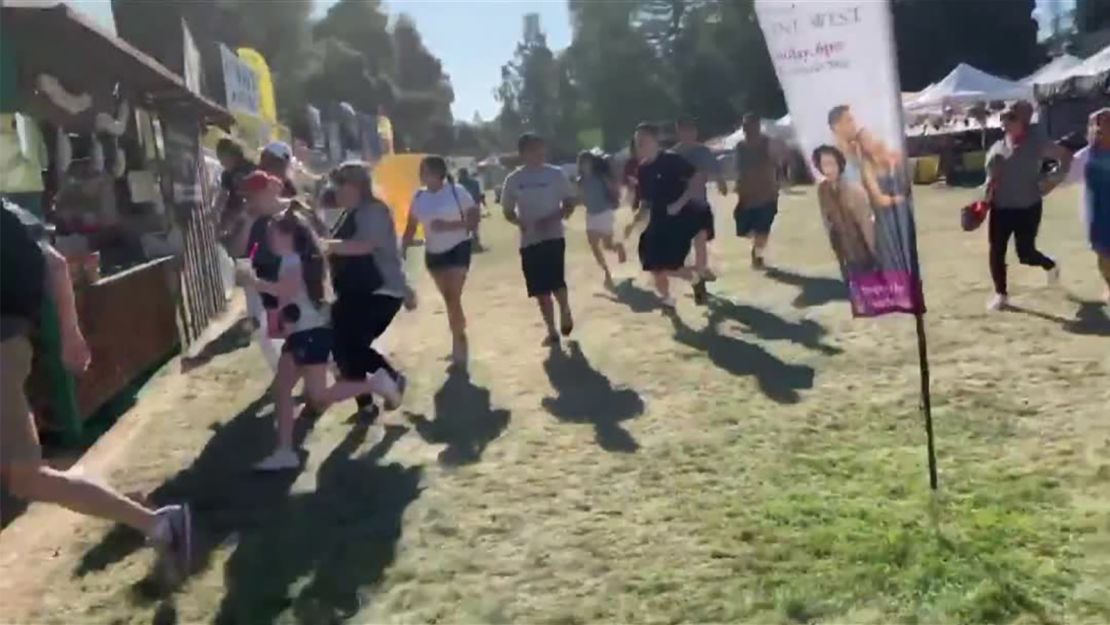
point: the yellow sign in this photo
(267, 105)
(396, 180)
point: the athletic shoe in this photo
(608, 283)
(551, 340)
(280, 460)
(758, 262)
(709, 275)
(392, 391)
(173, 539)
(1053, 276)
(668, 304)
(998, 302)
(701, 294)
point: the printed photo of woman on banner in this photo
(846, 105)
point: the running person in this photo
(537, 197)
(32, 271)
(474, 188)
(299, 291)
(1092, 167)
(701, 157)
(600, 193)
(449, 216)
(757, 187)
(369, 281)
(667, 185)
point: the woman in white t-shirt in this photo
(449, 217)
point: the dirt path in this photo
(635, 475)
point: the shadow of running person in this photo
(777, 380)
(225, 495)
(316, 560)
(464, 420)
(585, 395)
(235, 337)
(768, 325)
(815, 290)
(1090, 318)
(637, 299)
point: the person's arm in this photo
(240, 237)
(697, 181)
(860, 212)
(570, 198)
(75, 351)
(508, 202)
(410, 231)
(1059, 153)
(717, 173)
(1078, 167)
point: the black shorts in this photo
(309, 347)
(458, 256)
(666, 242)
(755, 219)
(544, 266)
(701, 216)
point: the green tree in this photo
(422, 116)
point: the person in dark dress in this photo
(667, 184)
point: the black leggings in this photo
(356, 323)
(1023, 224)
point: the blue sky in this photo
(474, 38)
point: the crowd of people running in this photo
(320, 294)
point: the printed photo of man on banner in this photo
(835, 60)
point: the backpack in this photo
(353, 275)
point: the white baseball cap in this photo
(279, 149)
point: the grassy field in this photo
(757, 461)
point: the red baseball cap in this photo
(258, 180)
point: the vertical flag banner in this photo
(836, 62)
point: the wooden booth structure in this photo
(104, 144)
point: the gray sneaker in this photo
(175, 547)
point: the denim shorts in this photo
(309, 347)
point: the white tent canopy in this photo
(966, 85)
(1056, 69)
(1090, 76)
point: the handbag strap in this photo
(458, 204)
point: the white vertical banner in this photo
(837, 65)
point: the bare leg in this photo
(286, 378)
(450, 283)
(759, 246)
(547, 311)
(36, 482)
(616, 248)
(662, 285)
(321, 396)
(566, 320)
(595, 241)
(701, 252)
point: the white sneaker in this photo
(280, 460)
(390, 390)
(1053, 276)
(998, 302)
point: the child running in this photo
(450, 217)
(667, 184)
(299, 291)
(1092, 168)
(600, 193)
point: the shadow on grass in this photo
(776, 379)
(464, 421)
(235, 337)
(225, 495)
(638, 300)
(320, 555)
(585, 395)
(815, 290)
(1090, 318)
(770, 326)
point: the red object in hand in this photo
(973, 215)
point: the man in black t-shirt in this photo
(30, 271)
(667, 185)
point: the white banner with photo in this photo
(836, 62)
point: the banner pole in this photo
(926, 400)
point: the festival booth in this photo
(951, 122)
(1067, 97)
(105, 146)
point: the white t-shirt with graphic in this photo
(442, 205)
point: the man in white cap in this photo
(275, 160)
